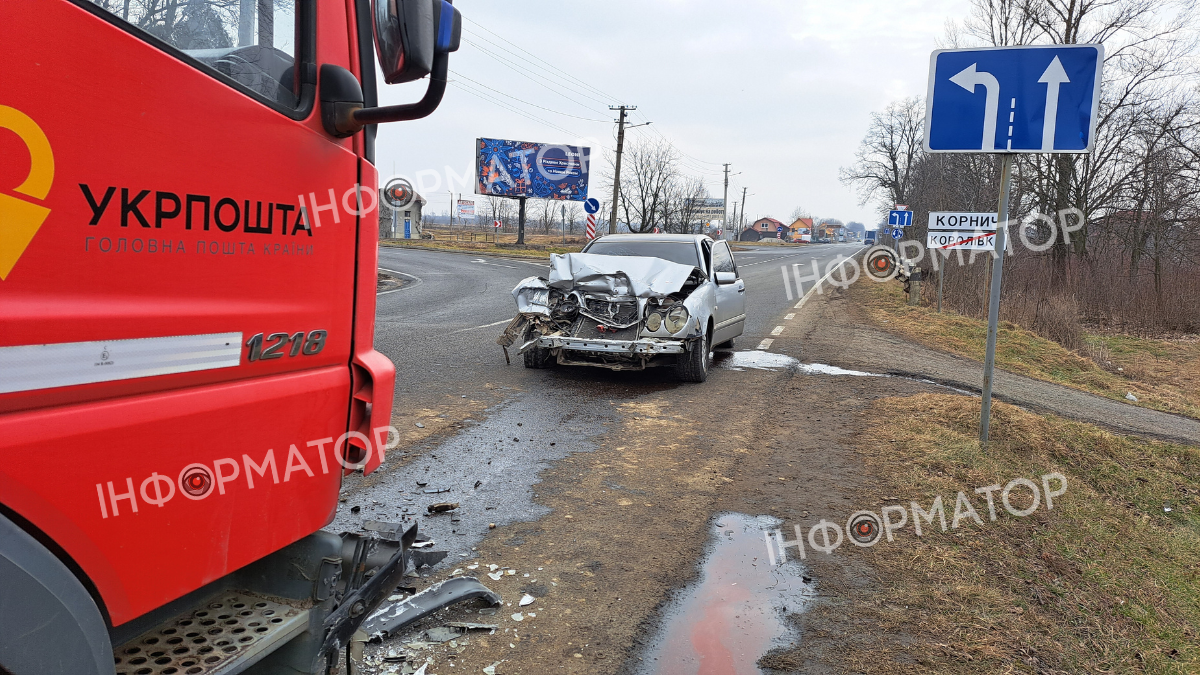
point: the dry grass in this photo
(537, 246)
(1106, 582)
(1163, 375)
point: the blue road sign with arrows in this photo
(897, 233)
(1013, 99)
(591, 205)
(899, 218)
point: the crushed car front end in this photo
(615, 312)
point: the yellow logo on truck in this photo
(20, 219)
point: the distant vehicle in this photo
(869, 237)
(632, 301)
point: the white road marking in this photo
(765, 344)
(789, 317)
(777, 330)
(486, 325)
(416, 281)
(481, 261)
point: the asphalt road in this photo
(440, 331)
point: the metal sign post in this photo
(989, 359)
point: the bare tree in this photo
(885, 160)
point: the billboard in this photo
(522, 169)
(708, 210)
(466, 208)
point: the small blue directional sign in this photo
(591, 205)
(897, 233)
(1014, 99)
(899, 218)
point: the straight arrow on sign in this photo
(968, 79)
(1054, 76)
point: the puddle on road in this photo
(825, 369)
(764, 360)
(729, 618)
(755, 360)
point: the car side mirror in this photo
(413, 38)
(725, 278)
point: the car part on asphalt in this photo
(390, 620)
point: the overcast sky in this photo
(780, 89)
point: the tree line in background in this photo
(1133, 264)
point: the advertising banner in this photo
(539, 170)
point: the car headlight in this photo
(653, 322)
(677, 319)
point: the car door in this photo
(730, 316)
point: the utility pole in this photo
(742, 222)
(452, 206)
(612, 219)
(725, 202)
(564, 217)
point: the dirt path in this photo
(834, 330)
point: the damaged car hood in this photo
(616, 275)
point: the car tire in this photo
(693, 366)
(539, 357)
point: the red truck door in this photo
(177, 268)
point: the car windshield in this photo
(682, 252)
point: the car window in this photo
(682, 252)
(723, 259)
(250, 42)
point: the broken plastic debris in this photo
(472, 626)
(442, 507)
(491, 670)
(473, 567)
(420, 426)
(510, 572)
(421, 544)
(495, 575)
(527, 599)
(493, 567)
(1131, 397)
(518, 617)
(456, 572)
(441, 634)
(434, 491)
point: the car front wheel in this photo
(693, 366)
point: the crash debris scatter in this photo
(735, 612)
(482, 454)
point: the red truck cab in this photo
(188, 234)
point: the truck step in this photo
(224, 636)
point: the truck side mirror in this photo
(413, 38)
(409, 34)
(725, 278)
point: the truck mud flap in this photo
(390, 620)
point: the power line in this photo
(556, 112)
(519, 71)
(566, 81)
(507, 106)
(551, 66)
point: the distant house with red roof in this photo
(766, 228)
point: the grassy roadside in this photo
(1106, 582)
(1162, 375)
(538, 246)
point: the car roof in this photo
(654, 237)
